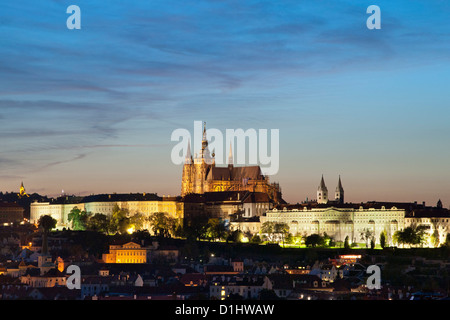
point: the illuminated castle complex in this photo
(200, 175)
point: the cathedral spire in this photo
(339, 193)
(204, 131)
(322, 192)
(204, 139)
(322, 184)
(339, 186)
(188, 158)
(205, 155)
(230, 156)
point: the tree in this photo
(366, 235)
(274, 230)
(314, 240)
(346, 243)
(412, 235)
(78, 218)
(434, 238)
(196, 227)
(327, 240)
(215, 229)
(289, 238)
(297, 238)
(255, 239)
(162, 224)
(137, 221)
(46, 223)
(119, 221)
(282, 229)
(98, 222)
(447, 240)
(267, 230)
(383, 239)
(235, 236)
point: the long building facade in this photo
(340, 222)
(359, 222)
(248, 210)
(146, 204)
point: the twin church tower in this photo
(322, 193)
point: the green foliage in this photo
(78, 218)
(215, 229)
(163, 224)
(383, 239)
(447, 241)
(255, 239)
(119, 221)
(412, 235)
(315, 240)
(294, 239)
(273, 230)
(372, 243)
(47, 223)
(195, 228)
(98, 222)
(136, 221)
(346, 243)
(366, 235)
(235, 236)
(434, 239)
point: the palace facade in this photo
(144, 203)
(358, 222)
(340, 222)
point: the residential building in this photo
(127, 253)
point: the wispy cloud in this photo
(56, 163)
(137, 70)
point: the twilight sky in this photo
(92, 110)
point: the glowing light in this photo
(130, 230)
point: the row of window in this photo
(131, 253)
(131, 261)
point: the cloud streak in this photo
(138, 70)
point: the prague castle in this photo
(244, 198)
(201, 175)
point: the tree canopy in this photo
(412, 235)
(78, 218)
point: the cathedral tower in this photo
(339, 193)
(201, 175)
(188, 167)
(322, 193)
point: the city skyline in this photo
(92, 110)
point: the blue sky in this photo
(92, 110)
